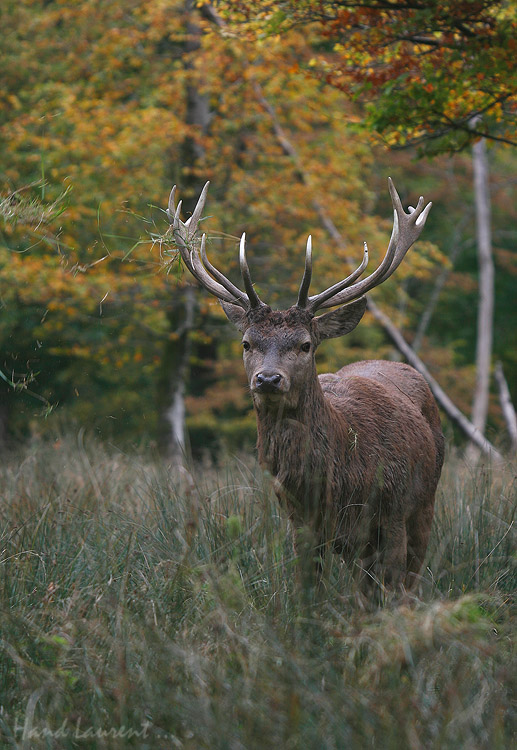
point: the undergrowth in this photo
(151, 608)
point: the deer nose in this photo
(268, 382)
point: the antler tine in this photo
(221, 278)
(193, 220)
(407, 227)
(184, 234)
(178, 230)
(170, 206)
(307, 275)
(177, 223)
(181, 238)
(253, 297)
(204, 278)
(319, 299)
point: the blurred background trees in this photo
(104, 107)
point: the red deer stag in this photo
(356, 455)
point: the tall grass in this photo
(142, 607)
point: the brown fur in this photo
(356, 455)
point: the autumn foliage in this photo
(429, 74)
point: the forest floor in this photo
(141, 607)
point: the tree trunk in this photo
(486, 292)
(176, 358)
(173, 375)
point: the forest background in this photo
(297, 113)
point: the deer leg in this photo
(383, 560)
(418, 532)
(393, 553)
(310, 551)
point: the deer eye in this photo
(306, 347)
(246, 346)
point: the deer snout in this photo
(269, 382)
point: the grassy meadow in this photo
(147, 607)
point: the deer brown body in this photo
(356, 455)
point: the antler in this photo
(406, 230)
(197, 261)
(407, 227)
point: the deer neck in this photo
(292, 434)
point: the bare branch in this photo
(507, 406)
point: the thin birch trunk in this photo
(485, 317)
(174, 375)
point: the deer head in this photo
(279, 346)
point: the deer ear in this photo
(235, 315)
(340, 321)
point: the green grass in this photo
(143, 609)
